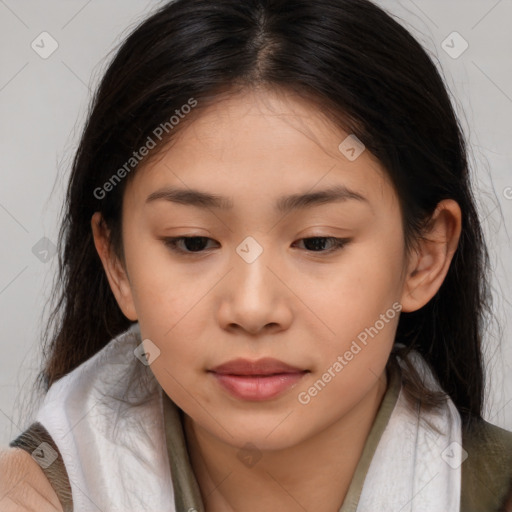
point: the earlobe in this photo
(114, 270)
(431, 261)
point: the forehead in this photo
(258, 145)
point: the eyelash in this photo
(172, 244)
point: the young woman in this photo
(273, 279)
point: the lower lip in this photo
(258, 388)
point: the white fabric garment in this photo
(114, 452)
(116, 457)
(415, 468)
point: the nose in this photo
(255, 297)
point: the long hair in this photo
(364, 71)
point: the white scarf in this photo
(116, 458)
(414, 468)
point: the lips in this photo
(257, 380)
(262, 367)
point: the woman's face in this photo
(267, 280)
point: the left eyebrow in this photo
(285, 204)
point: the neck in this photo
(312, 475)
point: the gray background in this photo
(43, 103)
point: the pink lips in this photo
(257, 380)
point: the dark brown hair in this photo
(365, 71)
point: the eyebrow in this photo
(285, 204)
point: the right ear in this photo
(116, 273)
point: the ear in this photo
(116, 273)
(429, 264)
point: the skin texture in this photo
(294, 302)
(23, 484)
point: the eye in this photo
(317, 242)
(196, 244)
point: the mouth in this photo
(257, 380)
(260, 368)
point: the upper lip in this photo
(265, 366)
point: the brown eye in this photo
(317, 243)
(193, 244)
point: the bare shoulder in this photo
(23, 484)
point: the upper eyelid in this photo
(185, 237)
(171, 242)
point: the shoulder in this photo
(23, 484)
(487, 470)
(490, 443)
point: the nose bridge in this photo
(252, 297)
(250, 250)
(250, 264)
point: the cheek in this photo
(179, 365)
(356, 291)
(159, 289)
(169, 296)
